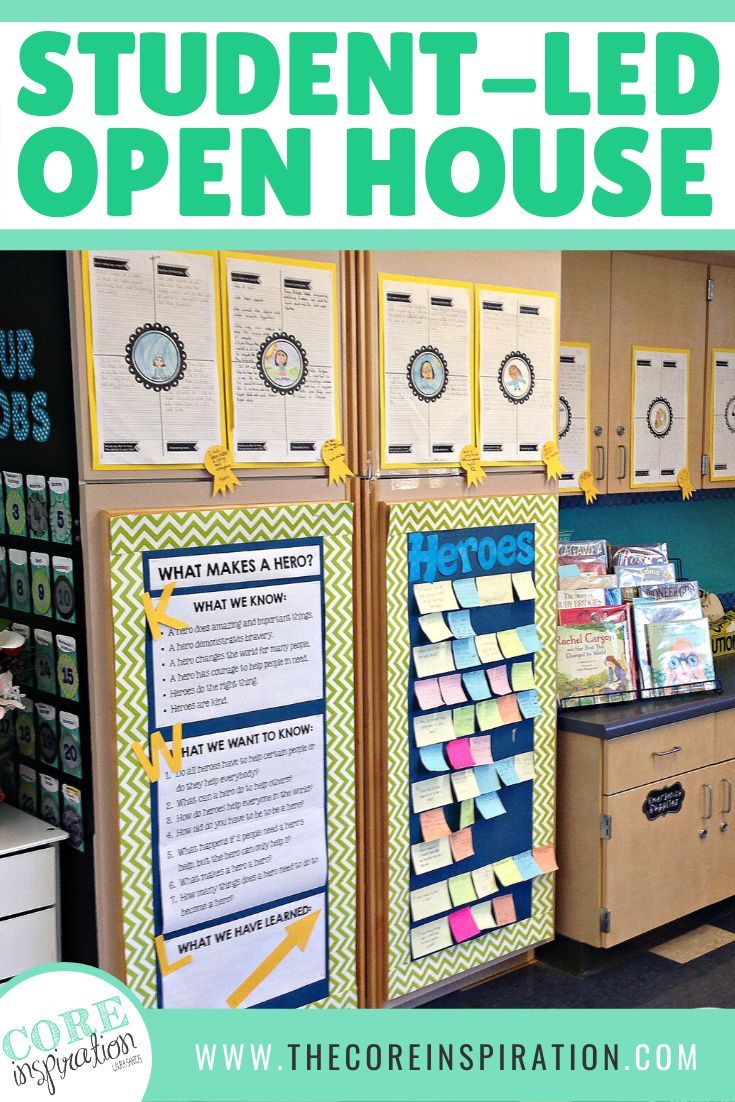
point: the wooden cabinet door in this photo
(723, 831)
(585, 319)
(656, 870)
(656, 302)
(720, 337)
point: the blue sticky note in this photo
(432, 758)
(460, 624)
(571, 570)
(490, 805)
(487, 778)
(529, 638)
(465, 653)
(476, 685)
(526, 865)
(465, 590)
(506, 770)
(528, 702)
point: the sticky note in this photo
(451, 689)
(524, 586)
(465, 653)
(522, 677)
(465, 590)
(434, 792)
(476, 684)
(486, 779)
(434, 597)
(504, 909)
(429, 901)
(526, 865)
(490, 805)
(484, 881)
(432, 758)
(460, 624)
(495, 589)
(506, 771)
(465, 784)
(435, 627)
(461, 844)
(466, 814)
(434, 824)
(433, 659)
(481, 750)
(509, 709)
(498, 678)
(507, 872)
(488, 649)
(545, 858)
(529, 638)
(430, 938)
(433, 728)
(459, 754)
(463, 720)
(461, 889)
(524, 766)
(483, 915)
(429, 856)
(528, 702)
(510, 643)
(428, 694)
(570, 570)
(463, 925)
(489, 715)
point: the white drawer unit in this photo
(29, 892)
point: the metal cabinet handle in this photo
(623, 465)
(709, 801)
(601, 462)
(666, 753)
(727, 794)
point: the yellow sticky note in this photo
(483, 915)
(429, 901)
(484, 881)
(434, 792)
(524, 766)
(524, 586)
(488, 649)
(465, 784)
(489, 715)
(435, 597)
(507, 872)
(522, 677)
(433, 659)
(510, 643)
(431, 937)
(432, 729)
(435, 627)
(461, 889)
(428, 856)
(495, 589)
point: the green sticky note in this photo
(464, 720)
(488, 715)
(466, 813)
(522, 677)
(462, 889)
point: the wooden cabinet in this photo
(646, 828)
(720, 334)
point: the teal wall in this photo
(701, 532)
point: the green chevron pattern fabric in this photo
(130, 536)
(404, 974)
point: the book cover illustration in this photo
(645, 612)
(681, 655)
(594, 664)
(644, 554)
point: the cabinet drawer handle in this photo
(623, 465)
(727, 792)
(709, 799)
(666, 753)
(601, 453)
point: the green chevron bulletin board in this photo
(235, 747)
(471, 733)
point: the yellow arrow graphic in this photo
(159, 749)
(297, 936)
(166, 966)
(157, 615)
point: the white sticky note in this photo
(483, 915)
(435, 597)
(430, 938)
(435, 627)
(433, 659)
(431, 793)
(484, 881)
(429, 730)
(428, 856)
(432, 900)
(488, 649)
(524, 586)
(495, 589)
(465, 784)
(524, 766)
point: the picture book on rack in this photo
(594, 664)
(680, 654)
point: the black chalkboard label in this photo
(664, 801)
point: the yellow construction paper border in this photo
(673, 485)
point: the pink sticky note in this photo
(459, 753)
(498, 678)
(481, 749)
(434, 824)
(461, 843)
(545, 858)
(427, 693)
(504, 909)
(451, 689)
(463, 925)
(509, 709)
